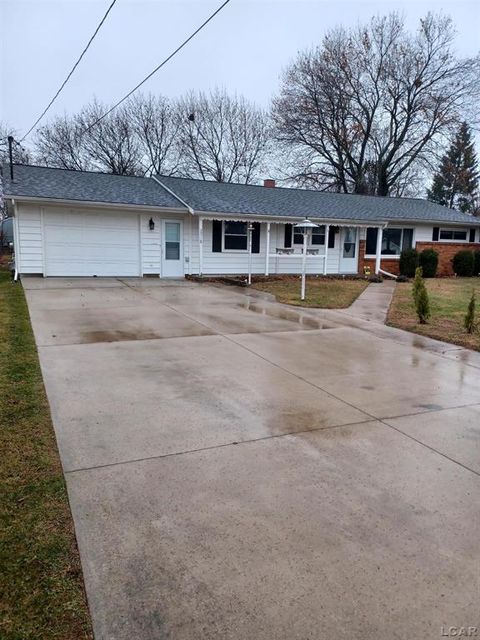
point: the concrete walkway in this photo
(374, 302)
(238, 469)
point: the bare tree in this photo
(111, 144)
(156, 127)
(371, 105)
(135, 139)
(221, 138)
(60, 144)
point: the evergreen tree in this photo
(456, 182)
(420, 297)
(469, 321)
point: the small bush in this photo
(476, 260)
(375, 278)
(464, 263)
(408, 262)
(420, 297)
(469, 321)
(428, 260)
(402, 278)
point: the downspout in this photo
(16, 244)
(380, 270)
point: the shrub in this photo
(375, 278)
(408, 262)
(428, 260)
(469, 321)
(402, 278)
(464, 263)
(476, 268)
(420, 297)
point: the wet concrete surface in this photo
(373, 303)
(240, 469)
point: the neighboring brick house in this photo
(72, 223)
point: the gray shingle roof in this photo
(215, 197)
(63, 184)
(252, 199)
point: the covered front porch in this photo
(241, 245)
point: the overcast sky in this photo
(244, 49)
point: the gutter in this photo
(172, 193)
(92, 203)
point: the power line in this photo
(99, 26)
(174, 53)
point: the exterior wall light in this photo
(151, 224)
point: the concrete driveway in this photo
(239, 469)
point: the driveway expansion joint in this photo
(219, 446)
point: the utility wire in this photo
(174, 53)
(99, 26)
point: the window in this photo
(172, 241)
(394, 241)
(453, 234)
(235, 236)
(297, 236)
(391, 242)
(407, 239)
(349, 242)
(317, 236)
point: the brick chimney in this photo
(269, 183)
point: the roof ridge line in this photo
(285, 188)
(90, 171)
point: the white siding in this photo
(29, 252)
(151, 244)
(423, 233)
(233, 262)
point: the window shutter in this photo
(472, 235)
(331, 237)
(288, 236)
(217, 236)
(256, 237)
(436, 231)
(371, 243)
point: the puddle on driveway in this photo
(285, 314)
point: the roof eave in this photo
(281, 218)
(93, 203)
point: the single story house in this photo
(72, 223)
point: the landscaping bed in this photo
(449, 298)
(42, 594)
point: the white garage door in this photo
(91, 244)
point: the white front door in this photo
(172, 249)
(348, 250)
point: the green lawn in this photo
(449, 298)
(323, 293)
(41, 591)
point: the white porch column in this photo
(267, 249)
(200, 246)
(327, 231)
(378, 254)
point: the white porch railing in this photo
(284, 258)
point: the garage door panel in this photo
(83, 244)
